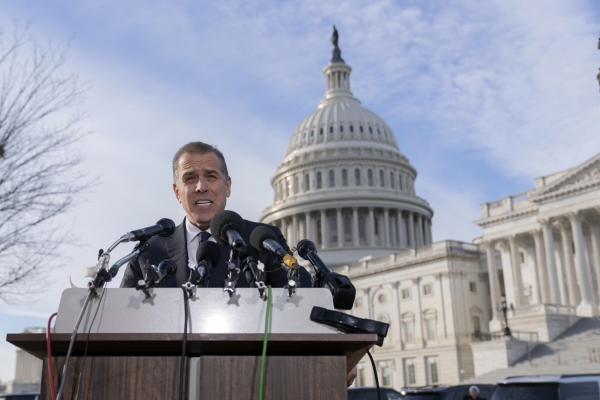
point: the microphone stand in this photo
(234, 270)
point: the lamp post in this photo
(504, 308)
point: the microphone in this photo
(249, 264)
(227, 227)
(208, 256)
(156, 275)
(163, 227)
(264, 240)
(341, 288)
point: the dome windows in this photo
(381, 180)
(312, 132)
(331, 179)
(351, 128)
(378, 132)
(370, 177)
(319, 180)
(344, 177)
(361, 129)
(392, 179)
(400, 181)
(357, 177)
(370, 130)
(306, 182)
(342, 128)
(331, 129)
(321, 131)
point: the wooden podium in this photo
(134, 350)
(218, 366)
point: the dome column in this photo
(340, 230)
(386, 227)
(284, 229)
(294, 230)
(371, 227)
(400, 223)
(324, 238)
(411, 230)
(419, 230)
(355, 235)
(309, 230)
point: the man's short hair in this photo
(198, 148)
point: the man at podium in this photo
(202, 184)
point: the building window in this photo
(361, 377)
(361, 230)
(287, 188)
(427, 290)
(476, 325)
(386, 373)
(331, 178)
(473, 287)
(319, 232)
(409, 372)
(381, 298)
(522, 257)
(344, 177)
(347, 230)
(357, 176)
(296, 184)
(321, 131)
(361, 129)
(392, 179)
(381, 180)
(370, 177)
(312, 133)
(331, 129)
(432, 370)
(307, 182)
(333, 230)
(406, 294)
(319, 180)
(376, 220)
(342, 128)
(430, 326)
(408, 328)
(400, 181)
(370, 130)
(351, 128)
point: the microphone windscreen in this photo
(222, 222)
(249, 251)
(259, 235)
(167, 268)
(304, 247)
(168, 227)
(209, 250)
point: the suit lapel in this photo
(177, 251)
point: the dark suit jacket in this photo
(174, 247)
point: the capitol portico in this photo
(344, 183)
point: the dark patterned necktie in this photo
(203, 236)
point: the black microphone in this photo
(249, 264)
(208, 256)
(227, 227)
(164, 227)
(264, 240)
(156, 275)
(341, 288)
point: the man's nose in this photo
(201, 186)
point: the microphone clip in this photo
(234, 270)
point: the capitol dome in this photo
(344, 183)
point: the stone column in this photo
(340, 228)
(371, 238)
(595, 236)
(509, 281)
(550, 262)
(309, 227)
(516, 270)
(294, 230)
(493, 275)
(540, 263)
(411, 230)
(587, 307)
(355, 235)
(428, 229)
(400, 223)
(419, 228)
(537, 293)
(568, 263)
(386, 228)
(325, 239)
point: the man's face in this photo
(201, 187)
(473, 393)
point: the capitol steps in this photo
(575, 351)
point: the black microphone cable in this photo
(375, 373)
(183, 345)
(87, 340)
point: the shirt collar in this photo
(192, 230)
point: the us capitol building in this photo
(345, 185)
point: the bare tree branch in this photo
(39, 176)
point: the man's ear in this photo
(176, 191)
(228, 186)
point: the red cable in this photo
(49, 358)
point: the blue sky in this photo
(482, 97)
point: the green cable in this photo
(264, 350)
